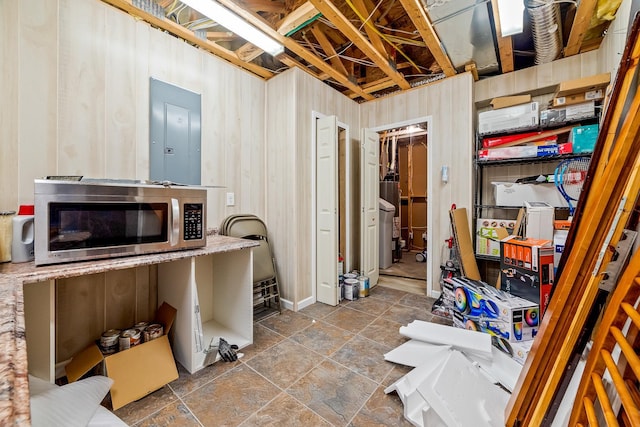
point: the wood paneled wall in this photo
(290, 176)
(449, 104)
(76, 102)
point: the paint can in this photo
(350, 276)
(152, 332)
(109, 341)
(129, 338)
(363, 282)
(340, 288)
(349, 286)
(141, 326)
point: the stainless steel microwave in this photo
(91, 219)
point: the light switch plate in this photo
(231, 199)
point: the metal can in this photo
(350, 276)
(363, 281)
(129, 338)
(350, 289)
(109, 341)
(152, 332)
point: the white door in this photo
(369, 191)
(327, 210)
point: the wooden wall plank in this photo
(81, 65)
(38, 112)
(80, 315)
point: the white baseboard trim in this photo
(306, 302)
(435, 294)
(286, 304)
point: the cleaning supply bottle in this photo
(6, 233)
(23, 231)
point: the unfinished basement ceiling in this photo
(366, 49)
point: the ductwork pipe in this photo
(546, 29)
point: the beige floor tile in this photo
(285, 411)
(384, 332)
(287, 323)
(381, 410)
(370, 305)
(365, 357)
(231, 398)
(175, 414)
(405, 315)
(417, 301)
(136, 411)
(319, 311)
(263, 338)
(350, 320)
(323, 337)
(333, 391)
(187, 382)
(285, 363)
(387, 294)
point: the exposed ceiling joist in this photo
(418, 15)
(189, 35)
(367, 35)
(580, 26)
(333, 14)
(326, 45)
(375, 39)
(505, 44)
(221, 36)
(263, 6)
(299, 17)
(293, 46)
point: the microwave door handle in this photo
(175, 222)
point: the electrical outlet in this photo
(231, 199)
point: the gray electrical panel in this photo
(174, 134)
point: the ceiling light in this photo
(510, 12)
(233, 22)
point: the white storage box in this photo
(512, 194)
(506, 119)
(540, 216)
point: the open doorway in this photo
(404, 184)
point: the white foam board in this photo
(462, 396)
(461, 339)
(414, 353)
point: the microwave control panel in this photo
(193, 221)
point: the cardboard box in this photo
(509, 101)
(507, 119)
(526, 267)
(514, 194)
(517, 350)
(520, 151)
(540, 216)
(569, 113)
(583, 138)
(559, 239)
(480, 307)
(585, 84)
(135, 372)
(565, 148)
(489, 233)
(496, 141)
(592, 95)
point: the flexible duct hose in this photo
(545, 26)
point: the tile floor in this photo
(321, 366)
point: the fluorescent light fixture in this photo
(511, 16)
(223, 16)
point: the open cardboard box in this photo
(137, 371)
